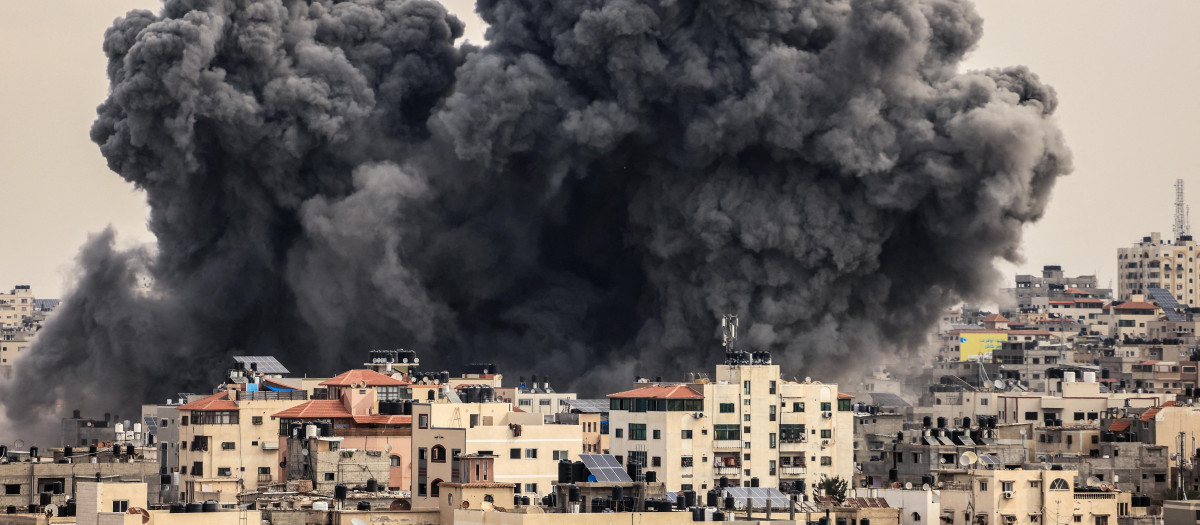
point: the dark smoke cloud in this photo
(584, 196)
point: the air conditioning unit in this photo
(827, 414)
(698, 415)
(1008, 494)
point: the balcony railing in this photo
(727, 444)
(727, 471)
(265, 478)
(792, 471)
(1095, 495)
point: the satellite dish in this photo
(998, 384)
(304, 452)
(1022, 433)
(968, 458)
(807, 379)
(925, 487)
(941, 461)
(907, 485)
(1093, 481)
(487, 506)
(941, 484)
(52, 510)
(358, 521)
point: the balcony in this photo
(727, 444)
(731, 472)
(792, 471)
(1095, 495)
(796, 446)
(265, 478)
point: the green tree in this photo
(834, 488)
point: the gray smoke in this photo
(584, 196)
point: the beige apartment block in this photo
(527, 449)
(1131, 319)
(15, 306)
(229, 443)
(1156, 263)
(1027, 497)
(744, 424)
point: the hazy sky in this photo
(1125, 74)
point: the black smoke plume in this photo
(584, 196)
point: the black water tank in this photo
(92, 450)
(966, 422)
(68, 452)
(941, 422)
(651, 476)
(618, 493)
(573, 493)
(177, 508)
(823, 521)
(564, 472)
(195, 506)
(516, 500)
(842, 521)
(326, 429)
(44, 498)
(58, 487)
(525, 500)
(3, 451)
(211, 506)
(129, 450)
(340, 492)
(372, 485)
(893, 475)
(577, 469)
(864, 521)
(718, 516)
(711, 498)
(68, 510)
(724, 482)
(33, 452)
(680, 501)
(364, 505)
(729, 503)
(12, 509)
(116, 450)
(689, 498)
(925, 421)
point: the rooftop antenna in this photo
(728, 331)
(1181, 212)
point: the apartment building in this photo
(228, 444)
(744, 425)
(1053, 284)
(527, 449)
(592, 417)
(1157, 263)
(1130, 319)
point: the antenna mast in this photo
(728, 331)
(1181, 212)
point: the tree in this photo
(835, 488)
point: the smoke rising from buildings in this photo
(584, 196)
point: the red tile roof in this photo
(1062, 302)
(316, 409)
(219, 401)
(1076, 291)
(844, 396)
(661, 392)
(1170, 404)
(1149, 414)
(277, 384)
(995, 318)
(383, 420)
(1119, 425)
(1136, 305)
(360, 376)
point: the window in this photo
(514, 453)
(657, 434)
(257, 420)
(771, 388)
(771, 412)
(746, 401)
(798, 406)
(685, 461)
(637, 431)
(826, 433)
(726, 432)
(727, 408)
(264, 471)
(560, 455)
(686, 434)
(746, 430)
(844, 405)
(1006, 486)
(437, 454)
(1060, 484)
(531, 453)
(120, 505)
(826, 461)
(771, 441)
(164, 422)
(531, 488)
(1031, 416)
(791, 433)
(525, 402)
(423, 421)
(435, 488)
(826, 406)
(183, 421)
(983, 486)
(224, 471)
(746, 417)
(656, 461)
(544, 403)
(12, 489)
(198, 468)
(227, 445)
(329, 476)
(746, 387)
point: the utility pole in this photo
(1179, 459)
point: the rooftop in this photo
(361, 376)
(214, 402)
(661, 392)
(320, 408)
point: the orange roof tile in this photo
(316, 409)
(359, 376)
(1076, 291)
(383, 420)
(1136, 305)
(1119, 425)
(661, 392)
(995, 318)
(1062, 302)
(844, 396)
(219, 401)
(1149, 414)
(1170, 404)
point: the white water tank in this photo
(137, 428)
(311, 431)
(320, 505)
(1089, 377)
(1068, 377)
(119, 428)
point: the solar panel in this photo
(151, 424)
(604, 467)
(758, 497)
(1167, 302)
(988, 459)
(266, 363)
(589, 406)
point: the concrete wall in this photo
(30, 475)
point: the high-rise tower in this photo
(1181, 212)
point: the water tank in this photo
(44, 498)
(320, 505)
(577, 472)
(1068, 377)
(966, 422)
(311, 431)
(724, 482)
(445, 376)
(711, 498)
(68, 510)
(525, 500)
(516, 500)
(211, 506)
(129, 450)
(178, 508)
(689, 498)
(651, 476)
(33, 452)
(618, 493)
(718, 516)
(119, 428)
(340, 492)
(372, 485)
(842, 521)
(68, 452)
(823, 521)
(1089, 377)
(364, 505)
(941, 422)
(729, 502)
(573, 493)
(195, 506)
(12, 509)
(864, 521)
(926, 421)
(57, 488)
(564, 472)
(697, 513)
(680, 501)
(116, 450)
(326, 428)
